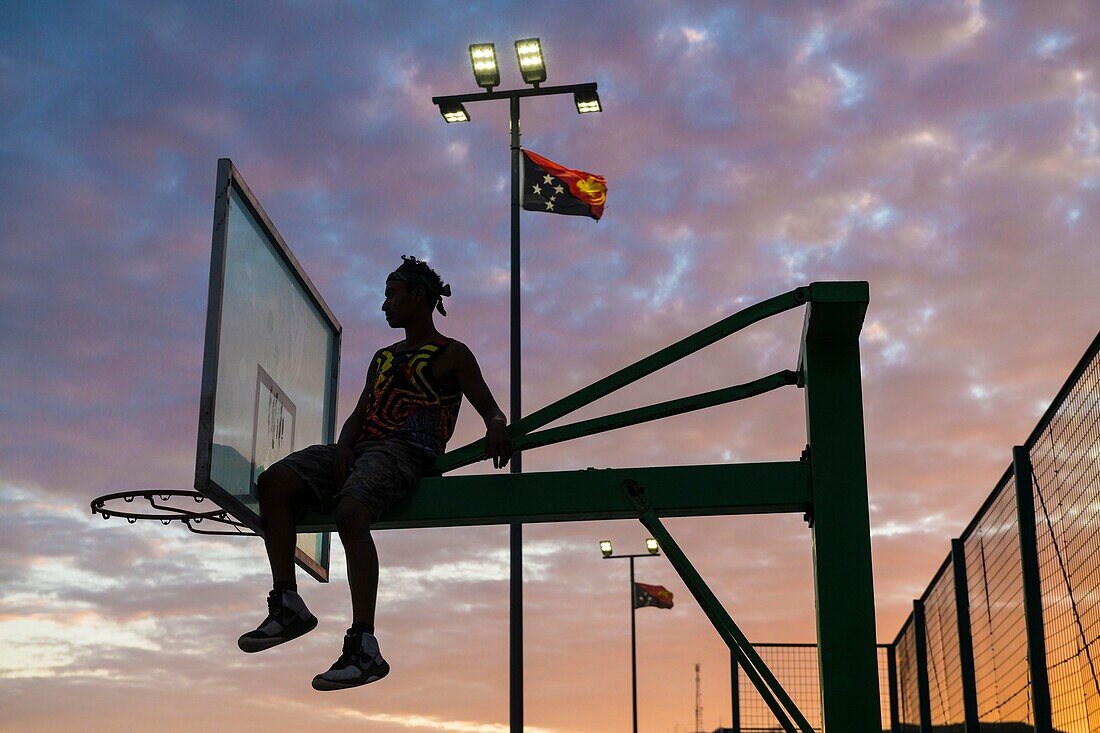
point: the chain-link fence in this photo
(961, 662)
(1065, 459)
(908, 701)
(945, 704)
(795, 668)
(1060, 462)
(997, 623)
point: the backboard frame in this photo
(229, 181)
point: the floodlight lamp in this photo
(651, 545)
(483, 57)
(605, 547)
(587, 102)
(454, 112)
(531, 63)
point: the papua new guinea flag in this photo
(556, 189)
(652, 595)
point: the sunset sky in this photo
(946, 152)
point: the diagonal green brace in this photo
(475, 451)
(758, 673)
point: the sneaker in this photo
(360, 663)
(287, 618)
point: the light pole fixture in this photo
(483, 57)
(652, 550)
(587, 101)
(531, 63)
(454, 112)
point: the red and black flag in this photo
(556, 189)
(652, 595)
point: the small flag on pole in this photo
(556, 189)
(652, 595)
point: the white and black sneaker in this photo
(360, 663)
(287, 618)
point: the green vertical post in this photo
(966, 639)
(735, 694)
(920, 641)
(892, 673)
(1033, 594)
(829, 361)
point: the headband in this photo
(413, 277)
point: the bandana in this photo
(417, 278)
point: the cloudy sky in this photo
(946, 152)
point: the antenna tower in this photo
(698, 702)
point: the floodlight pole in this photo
(515, 635)
(633, 634)
(515, 530)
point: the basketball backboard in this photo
(270, 365)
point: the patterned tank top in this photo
(407, 402)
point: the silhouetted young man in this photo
(403, 420)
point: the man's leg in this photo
(281, 490)
(384, 473)
(353, 520)
(360, 661)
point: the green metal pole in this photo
(920, 639)
(1033, 594)
(848, 661)
(892, 672)
(758, 673)
(735, 694)
(966, 639)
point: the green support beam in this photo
(475, 451)
(627, 375)
(829, 361)
(771, 692)
(590, 494)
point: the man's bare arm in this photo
(353, 428)
(468, 375)
(354, 424)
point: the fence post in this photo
(892, 672)
(735, 694)
(966, 640)
(921, 643)
(1033, 597)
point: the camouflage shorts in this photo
(384, 472)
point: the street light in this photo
(652, 551)
(587, 101)
(532, 65)
(483, 57)
(454, 112)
